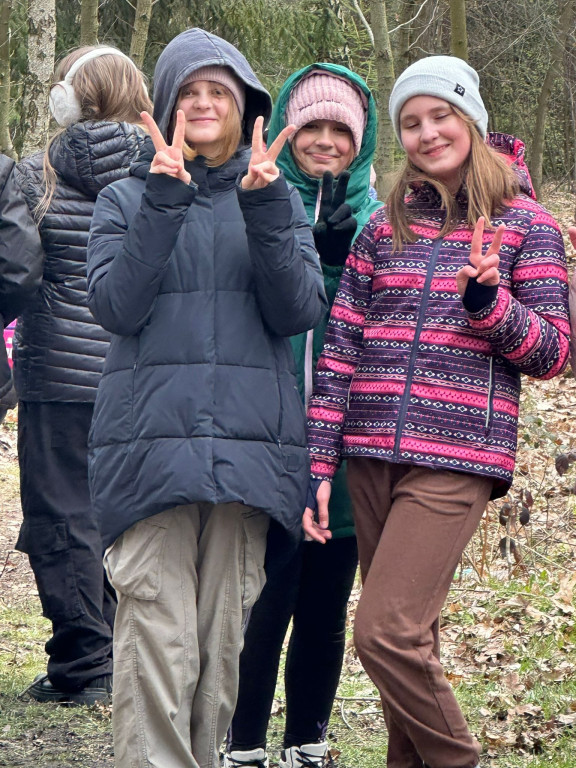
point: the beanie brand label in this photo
(460, 90)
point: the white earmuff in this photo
(64, 104)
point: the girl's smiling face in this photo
(435, 138)
(206, 105)
(323, 145)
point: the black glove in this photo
(335, 228)
(478, 296)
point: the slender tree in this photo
(458, 35)
(408, 12)
(5, 138)
(89, 22)
(384, 162)
(41, 47)
(140, 32)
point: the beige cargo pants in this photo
(185, 580)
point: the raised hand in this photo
(168, 158)
(335, 227)
(262, 169)
(482, 266)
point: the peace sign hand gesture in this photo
(168, 158)
(483, 267)
(335, 227)
(262, 169)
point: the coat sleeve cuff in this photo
(478, 296)
(164, 192)
(268, 203)
(485, 320)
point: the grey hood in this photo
(197, 48)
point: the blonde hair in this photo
(232, 130)
(488, 182)
(107, 87)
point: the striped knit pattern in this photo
(407, 375)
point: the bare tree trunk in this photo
(5, 138)
(458, 34)
(408, 10)
(41, 48)
(384, 162)
(565, 23)
(140, 32)
(89, 22)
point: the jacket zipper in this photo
(490, 395)
(414, 351)
(280, 414)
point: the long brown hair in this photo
(232, 129)
(107, 87)
(487, 182)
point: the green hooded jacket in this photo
(341, 523)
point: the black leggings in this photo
(313, 590)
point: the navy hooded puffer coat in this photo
(200, 286)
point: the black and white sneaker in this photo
(250, 758)
(305, 756)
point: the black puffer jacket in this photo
(21, 258)
(201, 286)
(59, 348)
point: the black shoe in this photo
(98, 690)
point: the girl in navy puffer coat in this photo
(201, 265)
(449, 295)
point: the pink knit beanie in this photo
(224, 76)
(321, 95)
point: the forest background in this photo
(509, 626)
(524, 51)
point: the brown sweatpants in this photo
(412, 525)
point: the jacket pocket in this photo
(134, 562)
(292, 416)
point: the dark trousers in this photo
(61, 537)
(312, 589)
(412, 525)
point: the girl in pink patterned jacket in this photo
(449, 295)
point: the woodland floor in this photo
(508, 632)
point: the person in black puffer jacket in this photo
(21, 260)
(59, 350)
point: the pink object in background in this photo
(8, 336)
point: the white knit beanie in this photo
(445, 77)
(322, 95)
(225, 76)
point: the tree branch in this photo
(406, 23)
(364, 20)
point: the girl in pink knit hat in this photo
(334, 113)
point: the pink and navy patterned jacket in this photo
(408, 375)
